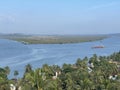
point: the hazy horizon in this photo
(57, 34)
(61, 17)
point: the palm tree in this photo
(7, 70)
(3, 79)
(47, 70)
(16, 73)
(28, 68)
(53, 84)
(36, 78)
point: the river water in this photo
(16, 55)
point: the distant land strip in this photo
(53, 39)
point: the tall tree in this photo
(16, 73)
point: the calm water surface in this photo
(17, 55)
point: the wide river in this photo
(16, 55)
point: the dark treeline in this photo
(95, 73)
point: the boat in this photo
(25, 43)
(98, 46)
(101, 46)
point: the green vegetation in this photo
(54, 39)
(95, 73)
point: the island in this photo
(52, 39)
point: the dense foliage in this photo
(95, 73)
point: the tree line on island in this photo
(95, 73)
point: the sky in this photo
(60, 16)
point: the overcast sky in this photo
(60, 16)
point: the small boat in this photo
(98, 46)
(24, 42)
